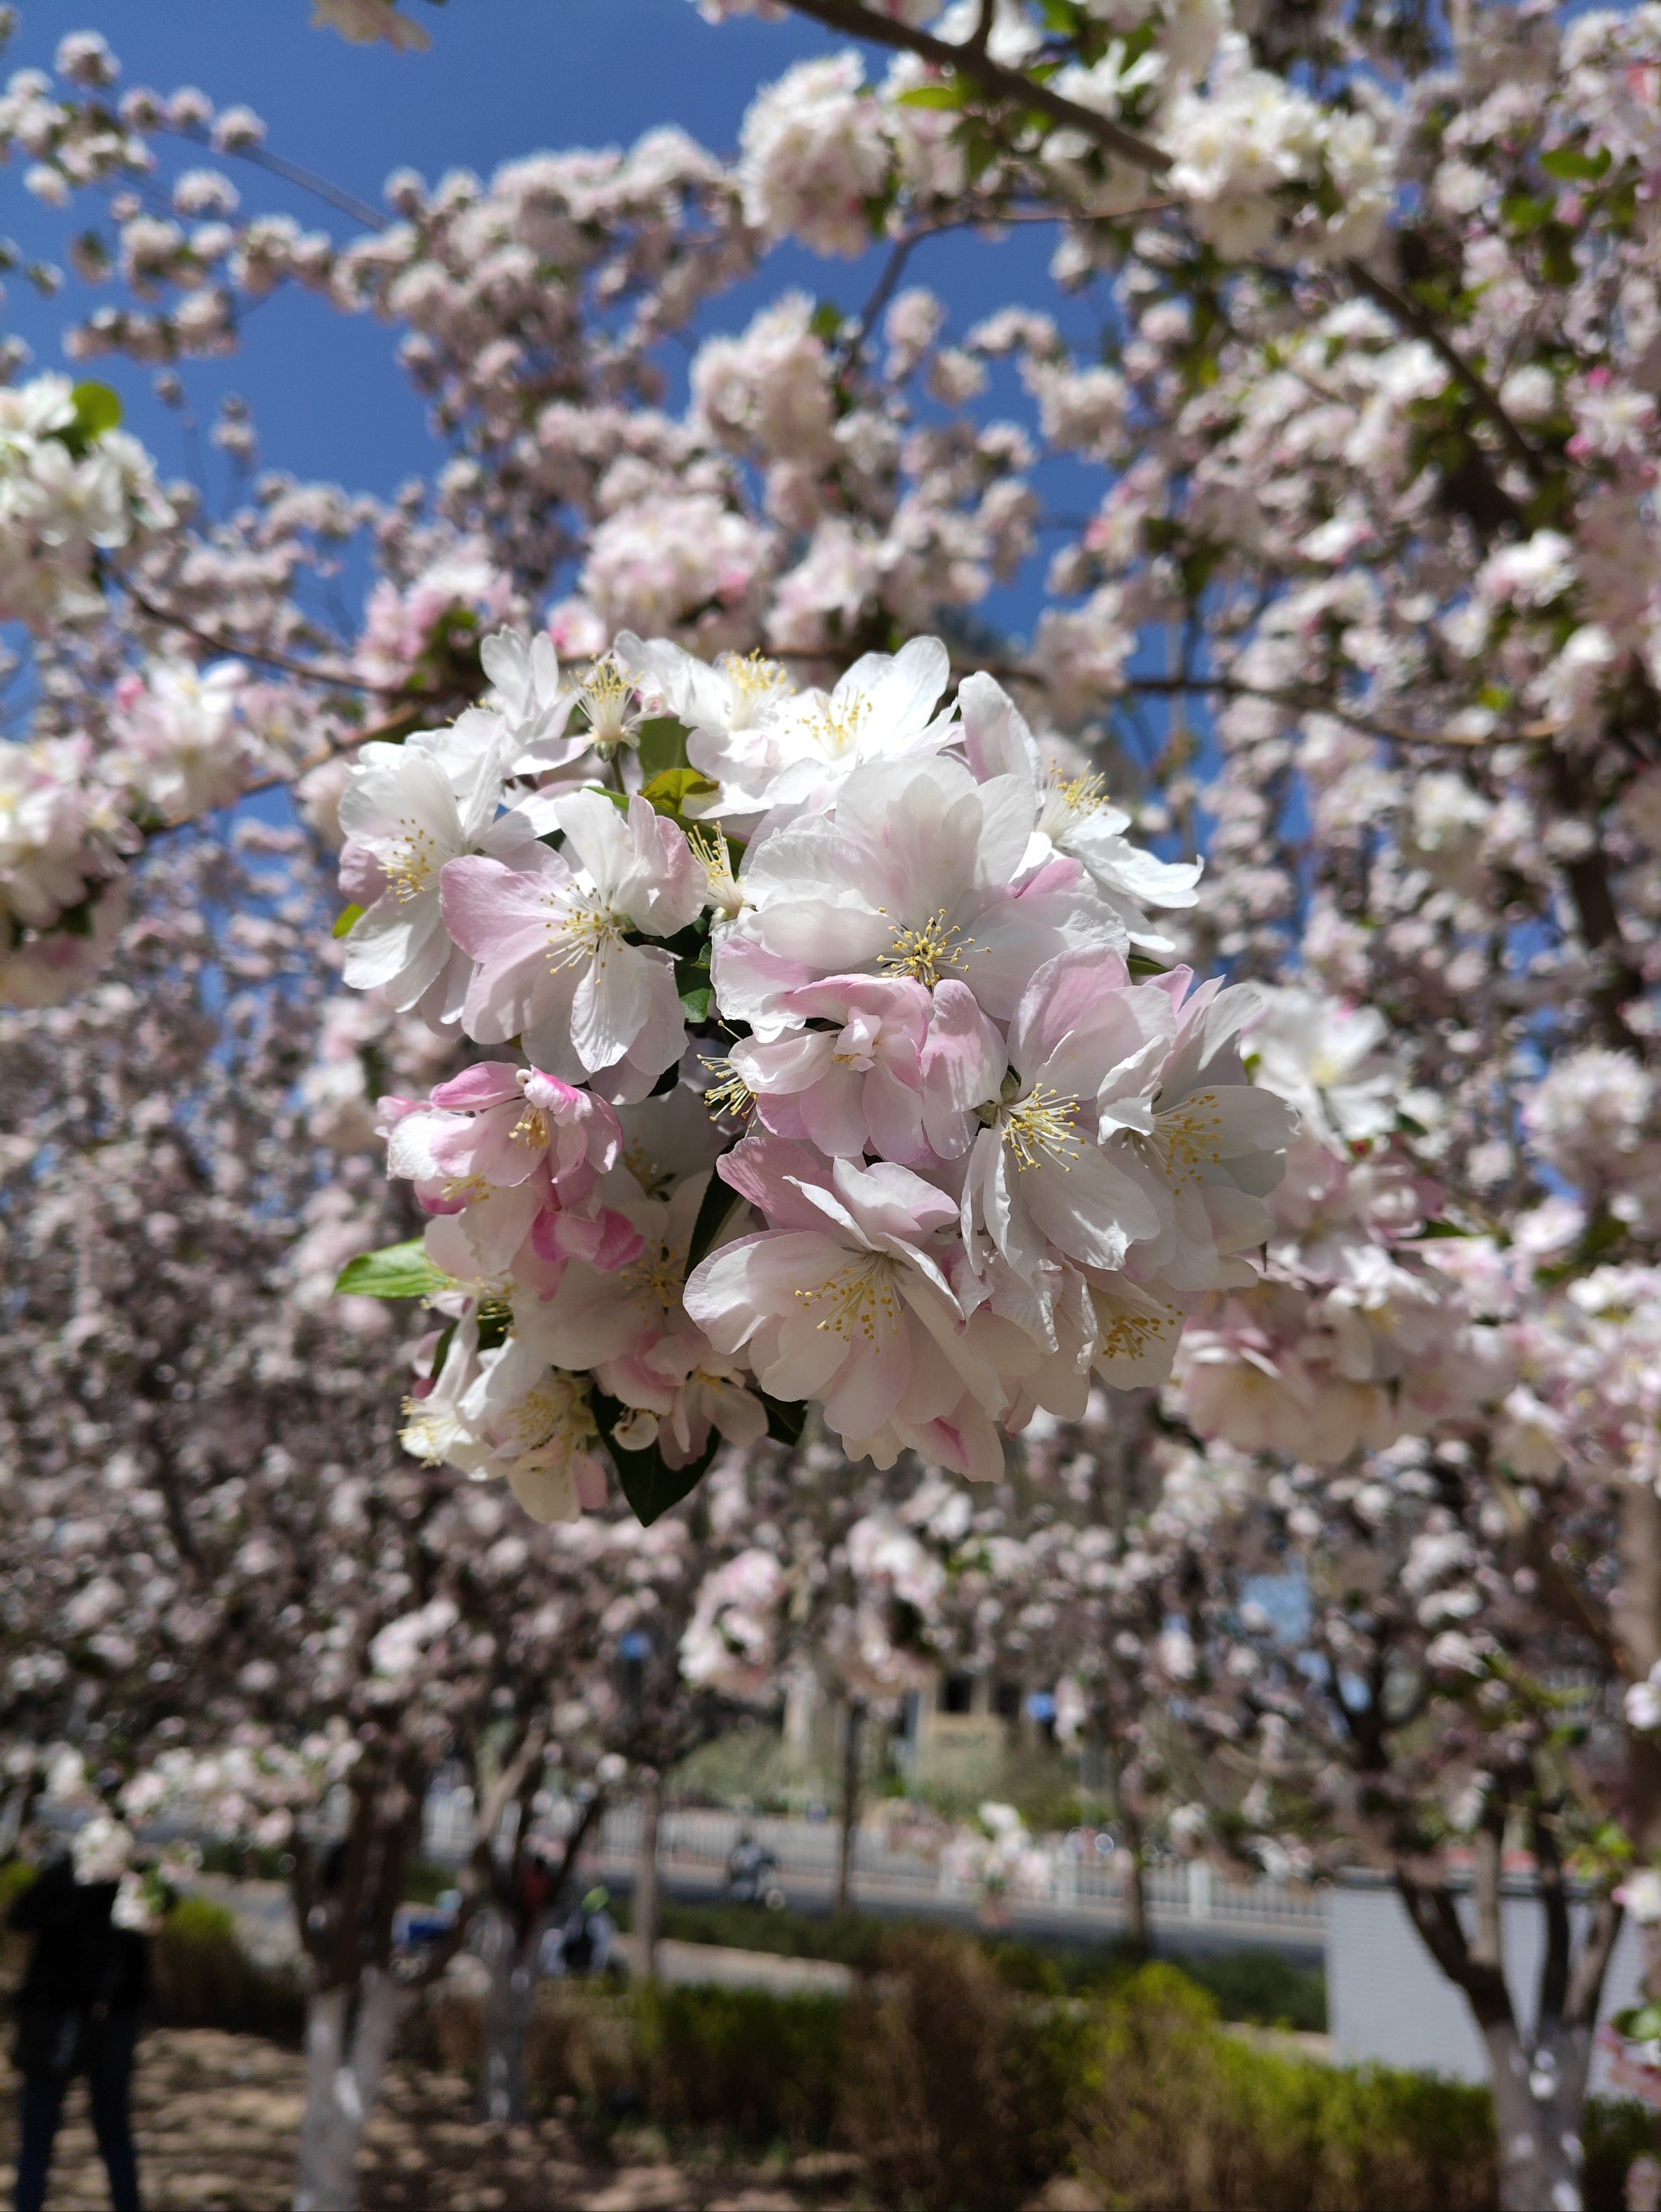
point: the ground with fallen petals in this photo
(217, 2116)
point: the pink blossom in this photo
(858, 1084)
(553, 965)
(848, 1305)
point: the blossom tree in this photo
(681, 737)
(228, 1591)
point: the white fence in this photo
(694, 1847)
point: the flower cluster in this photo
(1351, 1337)
(72, 485)
(848, 1070)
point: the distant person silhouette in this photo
(79, 2011)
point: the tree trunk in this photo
(346, 2053)
(850, 1806)
(1539, 2084)
(1133, 1889)
(511, 1958)
(648, 1913)
(1637, 1610)
(514, 1956)
(1539, 2101)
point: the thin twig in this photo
(1406, 311)
(852, 347)
(310, 672)
(1308, 702)
(291, 171)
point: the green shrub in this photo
(953, 2087)
(853, 1941)
(965, 2083)
(1257, 1985)
(1617, 2130)
(1264, 1986)
(740, 2063)
(762, 2067)
(15, 1877)
(581, 2043)
(203, 1977)
(244, 1862)
(1170, 2114)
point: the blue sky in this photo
(502, 78)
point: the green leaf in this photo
(697, 992)
(348, 918)
(442, 1350)
(97, 409)
(1443, 1229)
(1557, 262)
(397, 1271)
(827, 320)
(670, 785)
(649, 1484)
(934, 95)
(669, 790)
(785, 1422)
(1525, 211)
(662, 745)
(715, 1210)
(1571, 166)
(1140, 965)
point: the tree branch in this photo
(1006, 86)
(1568, 1598)
(1433, 1914)
(1586, 1983)
(851, 348)
(1406, 311)
(339, 678)
(1014, 86)
(1554, 1904)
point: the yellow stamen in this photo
(862, 1298)
(1079, 794)
(752, 676)
(427, 1431)
(839, 727)
(659, 1276)
(1129, 1335)
(606, 694)
(553, 1420)
(410, 866)
(926, 952)
(531, 1130)
(584, 929)
(1042, 1126)
(714, 855)
(1186, 1139)
(732, 1095)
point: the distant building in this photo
(956, 1735)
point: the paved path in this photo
(716, 1965)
